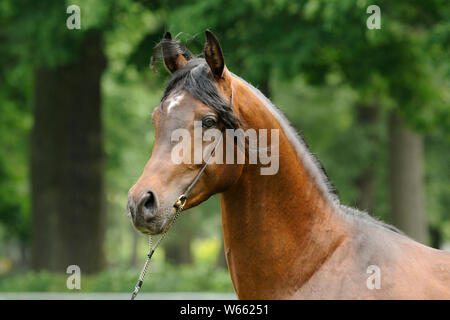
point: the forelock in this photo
(195, 78)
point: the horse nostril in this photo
(150, 201)
(149, 206)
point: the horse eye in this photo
(208, 122)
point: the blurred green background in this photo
(75, 130)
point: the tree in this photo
(15, 123)
(66, 142)
(67, 163)
(407, 179)
(322, 38)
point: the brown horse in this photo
(286, 235)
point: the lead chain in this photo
(178, 207)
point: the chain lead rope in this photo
(178, 206)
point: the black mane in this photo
(195, 78)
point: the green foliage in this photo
(15, 123)
(335, 136)
(316, 38)
(192, 278)
(318, 59)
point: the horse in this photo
(286, 235)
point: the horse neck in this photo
(278, 229)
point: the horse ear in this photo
(214, 55)
(173, 59)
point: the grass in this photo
(161, 278)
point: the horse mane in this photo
(314, 166)
(310, 161)
(195, 78)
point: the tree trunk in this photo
(367, 117)
(366, 185)
(67, 163)
(406, 180)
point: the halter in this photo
(178, 207)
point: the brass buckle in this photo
(181, 201)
